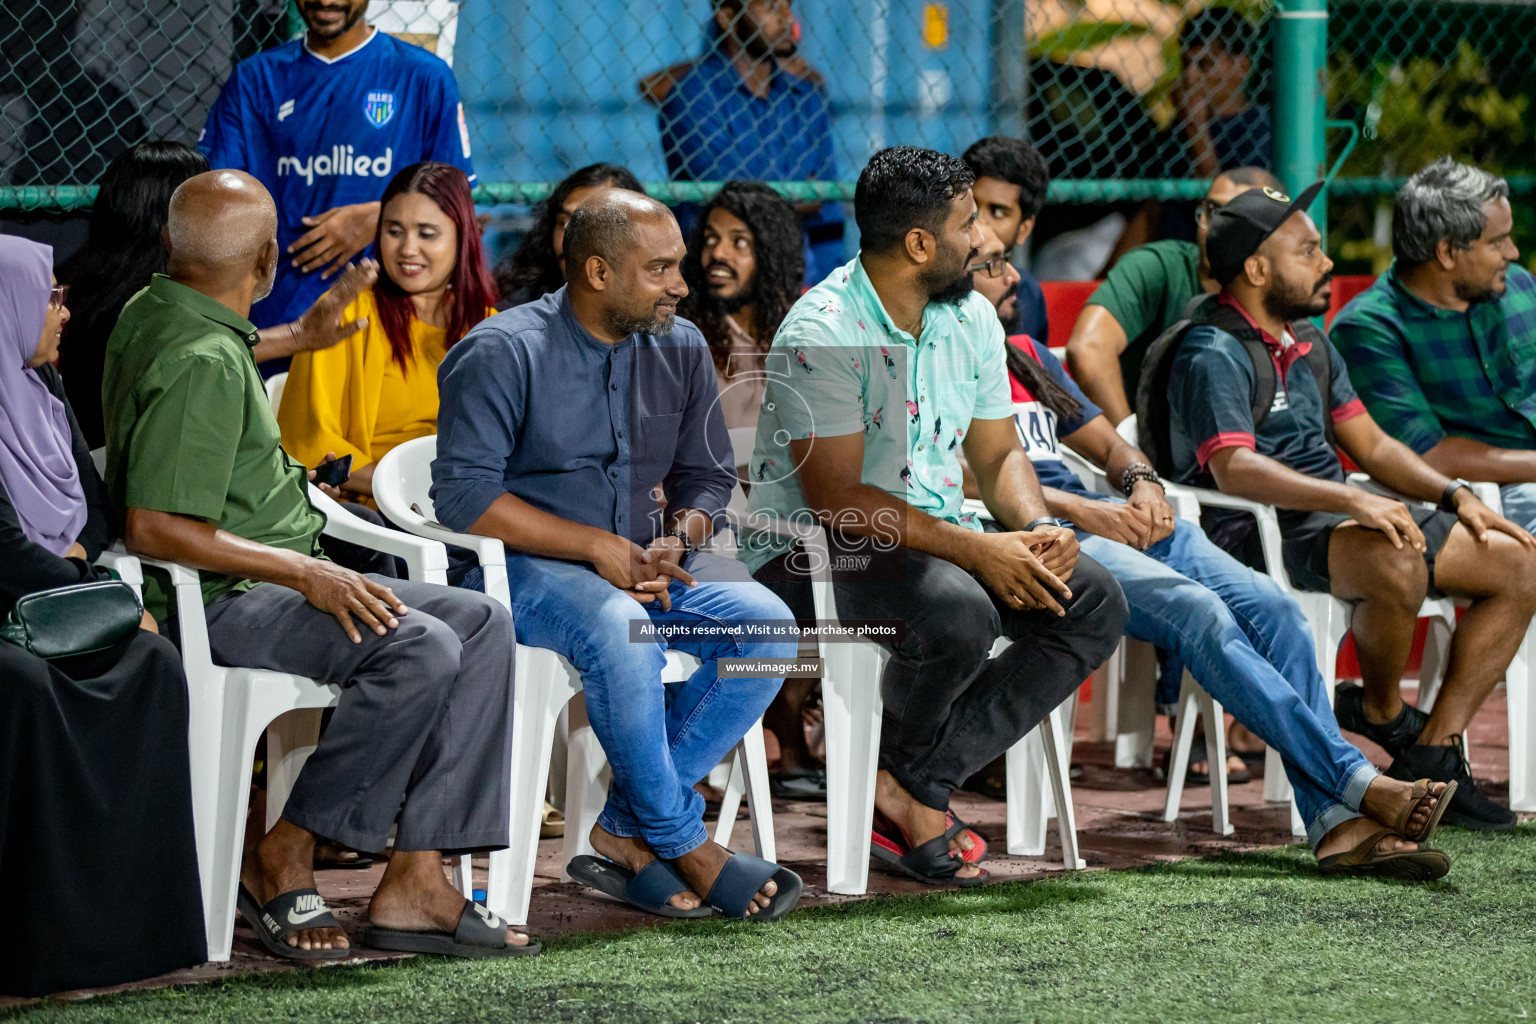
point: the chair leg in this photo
(852, 705)
(291, 738)
(734, 791)
(1522, 727)
(536, 703)
(1136, 710)
(1028, 810)
(220, 862)
(1216, 750)
(749, 778)
(1054, 747)
(1178, 764)
(587, 776)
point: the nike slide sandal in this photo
(284, 914)
(480, 934)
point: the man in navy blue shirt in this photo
(1374, 551)
(740, 113)
(559, 419)
(1011, 179)
(1246, 641)
(324, 123)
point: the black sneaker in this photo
(1394, 737)
(1469, 808)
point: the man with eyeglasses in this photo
(1142, 296)
(1242, 637)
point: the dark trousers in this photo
(950, 708)
(422, 734)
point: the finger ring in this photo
(1167, 519)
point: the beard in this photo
(333, 33)
(1289, 300)
(646, 321)
(1474, 293)
(952, 283)
(1007, 315)
(723, 306)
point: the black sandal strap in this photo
(479, 927)
(296, 910)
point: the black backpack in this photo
(1152, 426)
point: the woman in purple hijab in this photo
(98, 871)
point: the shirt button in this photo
(919, 447)
(613, 387)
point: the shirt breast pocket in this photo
(658, 445)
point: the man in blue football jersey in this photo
(323, 123)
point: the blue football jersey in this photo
(321, 134)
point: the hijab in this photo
(37, 463)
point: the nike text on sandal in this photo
(740, 880)
(286, 913)
(932, 862)
(480, 934)
(649, 889)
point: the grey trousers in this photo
(422, 735)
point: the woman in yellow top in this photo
(378, 389)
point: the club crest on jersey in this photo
(379, 108)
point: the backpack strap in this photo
(1221, 315)
(1320, 361)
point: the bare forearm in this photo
(1095, 365)
(694, 521)
(866, 510)
(276, 342)
(1394, 464)
(1473, 460)
(1011, 491)
(1247, 474)
(1063, 504)
(533, 531)
(201, 545)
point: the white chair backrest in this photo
(1126, 428)
(275, 385)
(742, 440)
(404, 478)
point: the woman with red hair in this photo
(378, 389)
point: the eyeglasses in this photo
(1206, 208)
(58, 296)
(992, 267)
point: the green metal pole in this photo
(1301, 98)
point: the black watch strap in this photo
(689, 547)
(1448, 496)
(1034, 524)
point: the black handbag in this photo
(67, 622)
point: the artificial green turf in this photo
(1248, 937)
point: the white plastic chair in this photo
(231, 707)
(275, 387)
(546, 682)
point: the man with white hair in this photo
(1442, 348)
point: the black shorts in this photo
(1304, 538)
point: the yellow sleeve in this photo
(311, 416)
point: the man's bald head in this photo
(219, 223)
(605, 224)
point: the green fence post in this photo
(1301, 97)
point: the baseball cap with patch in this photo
(1240, 227)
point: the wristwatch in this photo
(1448, 496)
(1044, 521)
(689, 547)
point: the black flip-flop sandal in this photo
(933, 862)
(284, 914)
(480, 935)
(740, 880)
(647, 890)
(885, 833)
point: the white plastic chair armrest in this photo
(127, 568)
(1489, 495)
(1186, 505)
(1269, 527)
(425, 560)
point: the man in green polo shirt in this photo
(1442, 348)
(895, 367)
(419, 740)
(1142, 296)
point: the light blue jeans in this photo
(1251, 649)
(1519, 504)
(660, 740)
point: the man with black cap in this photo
(1257, 400)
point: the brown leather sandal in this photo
(1421, 793)
(1419, 865)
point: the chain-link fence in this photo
(1128, 99)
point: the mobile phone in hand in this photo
(335, 473)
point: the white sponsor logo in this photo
(285, 110)
(306, 909)
(1281, 402)
(339, 161)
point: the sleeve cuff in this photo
(1349, 410)
(1225, 439)
(460, 506)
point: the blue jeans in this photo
(1251, 649)
(1519, 504)
(659, 740)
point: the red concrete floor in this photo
(1119, 818)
